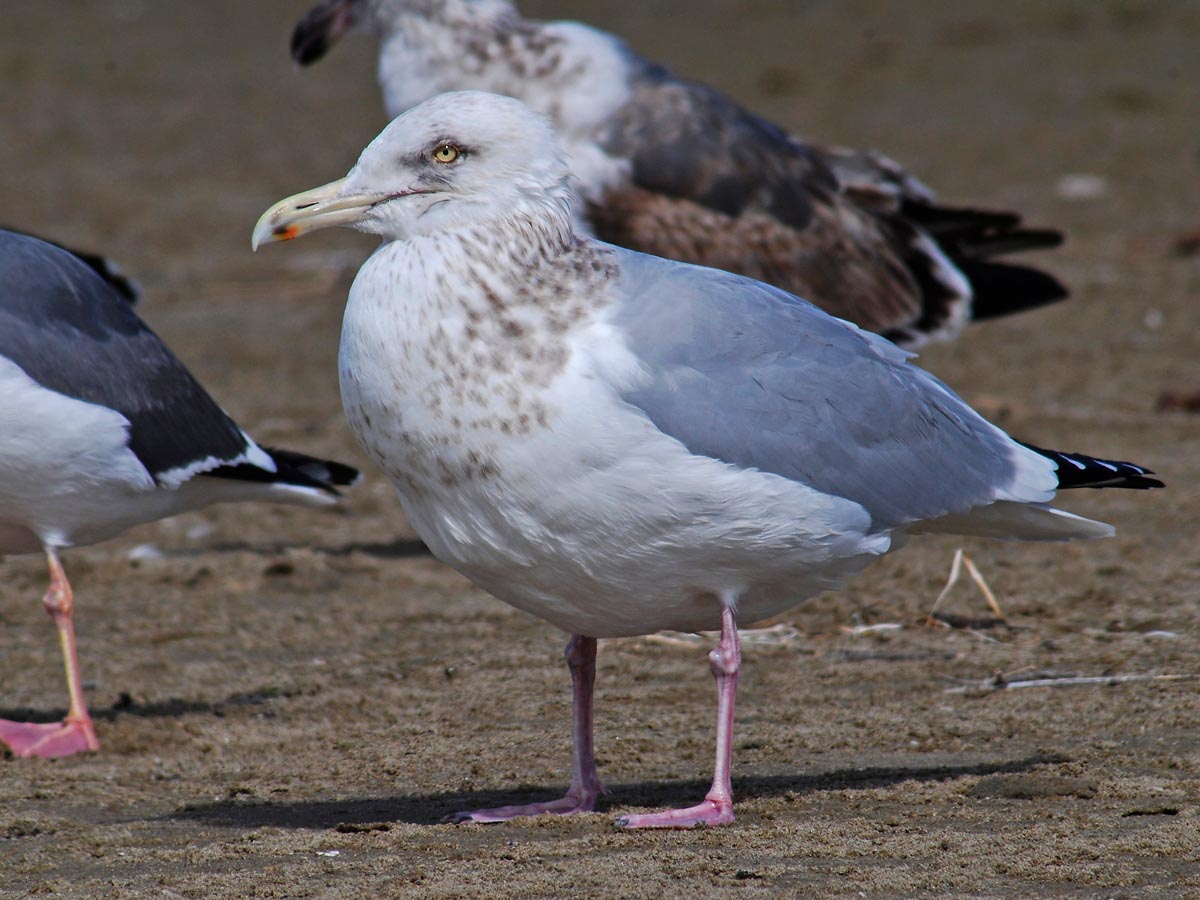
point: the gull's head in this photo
(324, 24)
(454, 161)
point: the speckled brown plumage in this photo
(848, 270)
(711, 183)
(673, 167)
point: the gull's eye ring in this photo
(446, 153)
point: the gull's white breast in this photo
(534, 478)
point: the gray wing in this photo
(101, 265)
(72, 332)
(745, 373)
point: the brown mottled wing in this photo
(848, 271)
(714, 185)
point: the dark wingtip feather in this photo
(971, 238)
(323, 473)
(297, 469)
(979, 233)
(1016, 241)
(1077, 470)
(1001, 288)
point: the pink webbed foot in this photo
(710, 812)
(49, 740)
(74, 734)
(572, 803)
(585, 784)
(717, 807)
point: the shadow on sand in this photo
(171, 708)
(431, 809)
(401, 548)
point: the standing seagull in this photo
(675, 168)
(621, 444)
(101, 429)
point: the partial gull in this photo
(101, 429)
(621, 444)
(101, 265)
(675, 168)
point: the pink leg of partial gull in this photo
(585, 783)
(717, 807)
(75, 733)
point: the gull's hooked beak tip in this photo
(308, 211)
(281, 233)
(272, 226)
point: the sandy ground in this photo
(291, 701)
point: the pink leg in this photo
(717, 807)
(74, 734)
(585, 783)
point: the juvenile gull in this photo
(101, 429)
(675, 168)
(622, 444)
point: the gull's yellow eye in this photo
(446, 153)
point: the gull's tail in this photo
(1014, 520)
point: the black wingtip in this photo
(323, 473)
(972, 238)
(1077, 470)
(979, 233)
(320, 29)
(999, 289)
(294, 468)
